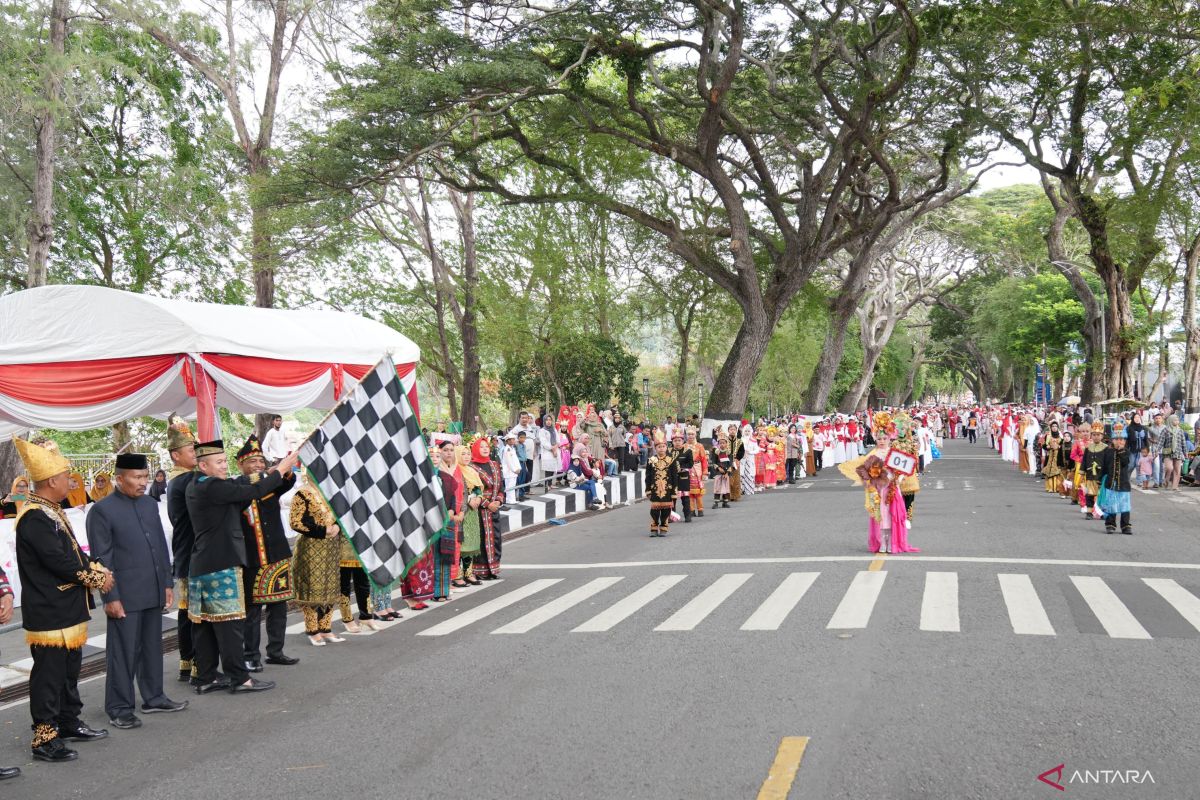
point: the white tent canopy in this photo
(61, 347)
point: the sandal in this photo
(419, 606)
(352, 627)
(440, 599)
(316, 640)
(459, 584)
(370, 625)
(329, 637)
(475, 582)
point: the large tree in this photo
(801, 123)
(1101, 98)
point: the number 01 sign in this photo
(901, 462)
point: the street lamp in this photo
(646, 396)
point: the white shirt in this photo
(274, 445)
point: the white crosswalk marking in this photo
(859, 601)
(627, 606)
(1025, 609)
(941, 484)
(557, 606)
(806, 485)
(1117, 620)
(939, 606)
(967, 487)
(774, 610)
(490, 607)
(1183, 601)
(703, 604)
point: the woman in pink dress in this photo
(887, 529)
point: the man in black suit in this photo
(126, 534)
(216, 593)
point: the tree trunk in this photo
(40, 227)
(731, 389)
(1092, 310)
(1191, 363)
(464, 209)
(858, 391)
(120, 436)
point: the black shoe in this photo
(687, 519)
(125, 722)
(1127, 530)
(54, 751)
(185, 676)
(1110, 528)
(215, 686)
(9, 772)
(699, 513)
(164, 707)
(253, 685)
(82, 734)
(282, 660)
(254, 666)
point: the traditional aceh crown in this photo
(41, 462)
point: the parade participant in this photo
(181, 446)
(887, 531)
(820, 436)
(486, 566)
(125, 533)
(662, 481)
(56, 598)
(268, 563)
(682, 456)
(1115, 471)
(1172, 448)
(472, 525)
(216, 588)
(807, 437)
(446, 548)
(748, 459)
(1083, 437)
(1029, 438)
(6, 615)
(1091, 468)
(1055, 460)
(722, 467)
(699, 472)
(737, 451)
(316, 564)
(352, 577)
(972, 427)
(1066, 485)
(510, 467)
(910, 485)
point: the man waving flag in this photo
(368, 459)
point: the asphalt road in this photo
(622, 666)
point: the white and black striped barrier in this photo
(536, 509)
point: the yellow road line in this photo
(877, 563)
(783, 771)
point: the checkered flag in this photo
(369, 460)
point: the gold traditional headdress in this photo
(42, 462)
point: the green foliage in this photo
(586, 368)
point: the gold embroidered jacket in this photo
(56, 577)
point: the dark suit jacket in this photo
(182, 535)
(126, 535)
(215, 506)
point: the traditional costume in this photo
(722, 467)
(1055, 461)
(56, 602)
(268, 574)
(737, 453)
(472, 524)
(179, 435)
(662, 482)
(748, 459)
(683, 480)
(316, 564)
(887, 531)
(487, 563)
(910, 485)
(216, 589)
(698, 474)
(1092, 469)
(1116, 491)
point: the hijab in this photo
(470, 477)
(100, 492)
(77, 497)
(19, 500)
(477, 456)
